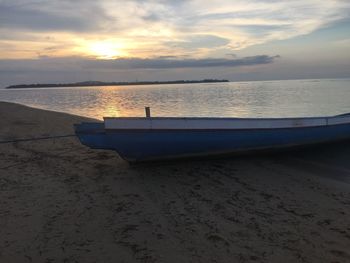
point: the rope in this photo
(38, 138)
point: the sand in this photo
(63, 202)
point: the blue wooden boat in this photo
(145, 139)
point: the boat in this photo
(138, 139)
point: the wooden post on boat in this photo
(148, 112)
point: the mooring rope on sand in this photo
(38, 138)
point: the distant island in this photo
(100, 83)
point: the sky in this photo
(62, 41)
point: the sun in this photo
(106, 50)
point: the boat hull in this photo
(150, 144)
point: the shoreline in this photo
(75, 116)
(62, 201)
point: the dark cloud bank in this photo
(130, 63)
(80, 69)
(136, 63)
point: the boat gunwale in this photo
(198, 123)
(227, 118)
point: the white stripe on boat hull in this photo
(220, 123)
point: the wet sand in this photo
(63, 202)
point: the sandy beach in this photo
(63, 202)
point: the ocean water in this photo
(287, 98)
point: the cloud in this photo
(51, 15)
(194, 28)
(343, 42)
(248, 23)
(200, 41)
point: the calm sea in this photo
(287, 98)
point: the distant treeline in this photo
(100, 83)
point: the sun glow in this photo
(106, 50)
